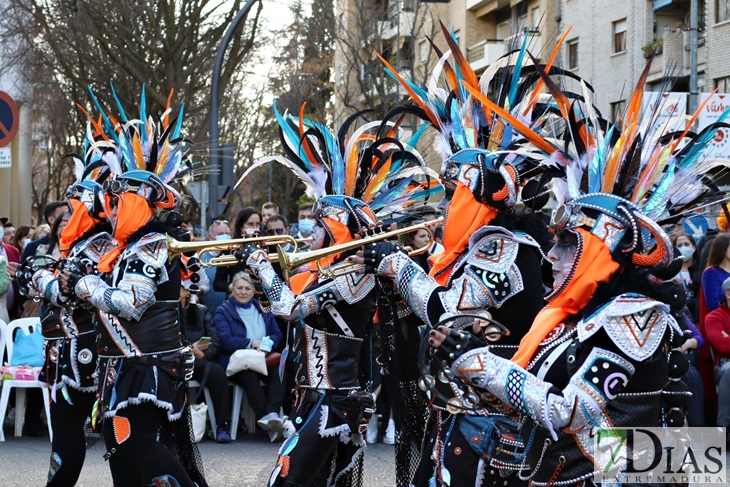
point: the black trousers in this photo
(69, 439)
(262, 401)
(137, 458)
(217, 384)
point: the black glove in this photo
(367, 408)
(455, 344)
(76, 271)
(375, 252)
(245, 252)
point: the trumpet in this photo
(176, 247)
(289, 260)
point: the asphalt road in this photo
(246, 462)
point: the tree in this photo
(164, 45)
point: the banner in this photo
(669, 105)
(720, 145)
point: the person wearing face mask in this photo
(22, 237)
(305, 222)
(247, 225)
(688, 277)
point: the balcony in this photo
(398, 25)
(486, 5)
(534, 43)
(484, 53)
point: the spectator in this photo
(8, 232)
(22, 237)
(39, 232)
(248, 224)
(197, 322)
(242, 325)
(705, 242)
(51, 212)
(717, 329)
(217, 231)
(277, 226)
(4, 287)
(268, 210)
(305, 221)
(11, 297)
(689, 276)
(438, 240)
(417, 240)
(718, 269)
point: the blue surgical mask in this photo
(306, 226)
(225, 236)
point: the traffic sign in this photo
(8, 119)
(696, 226)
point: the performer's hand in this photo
(68, 280)
(448, 344)
(373, 254)
(245, 252)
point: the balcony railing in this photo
(484, 53)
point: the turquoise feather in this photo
(516, 74)
(123, 116)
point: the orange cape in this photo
(595, 265)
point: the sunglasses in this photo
(220, 222)
(275, 231)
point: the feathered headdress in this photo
(356, 178)
(620, 180)
(149, 155)
(478, 148)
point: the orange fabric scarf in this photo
(595, 265)
(80, 223)
(133, 212)
(466, 216)
(299, 282)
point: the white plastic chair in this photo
(27, 326)
(194, 384)
(249, 416)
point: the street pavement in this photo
(246, 462)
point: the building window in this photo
(341, 23)
(573, 54)
(423, 52)
(619, 36)
(340, 76)
(536, 18)
(617, 110)
(723, 10)
(723, 84)
(457, 37)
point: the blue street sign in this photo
(696, 226)
(8, 119)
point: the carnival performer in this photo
(142, 361)
(67, 325)
(492, 256)
(596, 356)
(354, 180)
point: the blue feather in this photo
(143, 115)
(178, 126)
(123, 115)
(654, 206)
(700, 145)
(595, 171)
(516, 74)
(333, 148)
(292, 136)
(107, 123)
(417, 135)
(458, 130)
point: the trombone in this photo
(176, 247)
(289, 260)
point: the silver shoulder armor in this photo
(634, 322)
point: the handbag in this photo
(247, 359)
(494, 437)
(28, 349)
(198, 413)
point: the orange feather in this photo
(540, 83)
(432, 118)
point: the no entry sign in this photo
(8, 119)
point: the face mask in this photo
(225, 236)
(306, 226)
(26, 241)
(2, 233)
(687, 252)
(249, 231)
